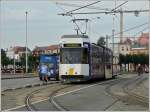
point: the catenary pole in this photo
(149, 34)
(26, 44)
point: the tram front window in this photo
(74, 56)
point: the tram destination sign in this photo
(72, 45)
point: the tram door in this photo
(108, 71)
(108, 64)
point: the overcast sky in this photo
(45, 27)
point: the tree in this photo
(101, 41)
(32, 61)
(4, 59)
(129, 60)
(121, 60)
(134, 59)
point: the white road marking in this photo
(14, 108)
(64, 93)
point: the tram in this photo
(81, 60)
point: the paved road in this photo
(94, 97)
(14, 83)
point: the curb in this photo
(29, 86)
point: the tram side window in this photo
(85, 56)
(110, 57)
(106, 56)
(95, 55)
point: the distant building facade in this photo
(38, 50)
(52, 49)
(125, 47)
(122, 48)
(139, 46)
(46, 50)
(16, 52)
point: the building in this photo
(140, 46)
(144, 39)
(122, 48)
(115, 50)
(125, 47)
(39, 50)
(52, 49)
(16, 52)
(46, 50)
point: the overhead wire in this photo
(119, 6)
(140, 32)
(73, 17)
(111, 10)
(88, 7)
(83, 7)
(135, 27)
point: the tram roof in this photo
(74, 36)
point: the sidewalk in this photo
(40, 83)
(17, 75)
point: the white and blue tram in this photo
(80, 60)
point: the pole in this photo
(149, 33)
(107, 41)
(113, 27)
(0, 43)
(14, 62)
(113, 32)
(26, 45)
(121, 25)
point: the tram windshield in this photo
(74, 56)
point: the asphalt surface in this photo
(97, 99)
(17, 75)
(92, 98)
(15, 83)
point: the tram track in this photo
(53, 100)
(37, 98)
(127, 91)
(62, 108)
(140, 98)
(52, 97)
(30, 105)
(108, 91)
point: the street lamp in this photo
(26, 45)
(14, 60)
